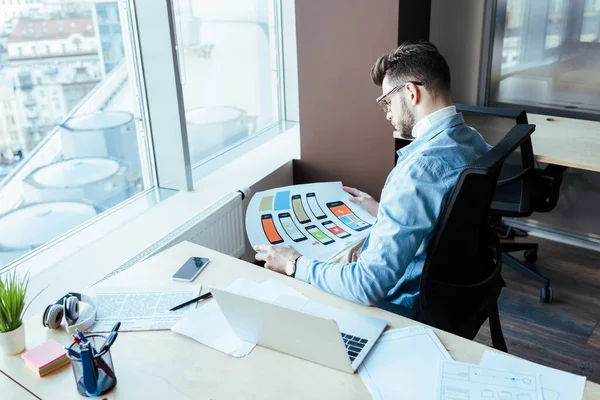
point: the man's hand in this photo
(365, 200)
(276, 257)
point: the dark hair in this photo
(419, 61)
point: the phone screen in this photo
(347, 216)
(319, 235)
(269, 228)
(290, 228)
(336, 230)
(314, 206)
(299, 209)
(191, 268)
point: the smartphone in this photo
(299, 210)
(314, 206)
(290, 227)
(190, 269)
(319, 235)
(347, 216)
(269, 228)
(336, 230)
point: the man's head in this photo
(415, 81)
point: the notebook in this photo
(45, 358)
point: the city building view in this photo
(71, 146)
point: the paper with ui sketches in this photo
(459, 381)
(317, 219)
(556, 384)
(404, 364)
(208, 325)
(140, 308)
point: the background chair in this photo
(522, 188)
(461, 281)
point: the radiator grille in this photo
(220, 227)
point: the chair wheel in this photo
(530, 255)
(546, 295)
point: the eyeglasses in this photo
(382, 100)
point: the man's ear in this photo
(414, 93)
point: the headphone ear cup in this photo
(53, 316)
(71, 306)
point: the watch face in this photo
(290, 268)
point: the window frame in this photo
(490, 67)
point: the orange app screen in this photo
(336, 230)
(341, 210)
(271, 231)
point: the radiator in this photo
(219, 227)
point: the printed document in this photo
(141, 308)
(556, 384)
(458, 381)
(316, 219)
(404, 364)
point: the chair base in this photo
(531, 256)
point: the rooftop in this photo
(48, 29)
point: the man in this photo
(415, 82)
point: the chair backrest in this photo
(462, 270)
(517, 198)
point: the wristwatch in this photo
(290, 267)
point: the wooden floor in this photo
(566, 333)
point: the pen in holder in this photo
(92, 365)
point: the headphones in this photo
(69, 306)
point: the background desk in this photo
(165, 365)
(567, 142)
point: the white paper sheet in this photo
(556, 384)
(208, 325)
(141, 308)
(404, 364)
(462, 381)
(299, 216)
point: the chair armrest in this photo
(515, 178)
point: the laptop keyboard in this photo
(353, 345)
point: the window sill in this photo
(92, 262)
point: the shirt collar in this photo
(441, 125)
(430, 120)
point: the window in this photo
(544, 55)
(93, 150)
(229, 71)
(80, 160)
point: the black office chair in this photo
(461, 281)
(522, 189)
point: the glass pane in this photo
(68, 142)
(546, 55)
(229, 71)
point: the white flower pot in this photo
(12, 342)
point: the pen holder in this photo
(103, 371)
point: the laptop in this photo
(302, 328)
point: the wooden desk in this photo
(567, 142)
(11, 390)
(165, 365)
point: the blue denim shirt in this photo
(415, 192)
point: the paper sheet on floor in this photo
(208, 325)
(459, 381)
(140, 308)
(556, 384)
(404, 364)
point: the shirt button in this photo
(380, 246)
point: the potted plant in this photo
(13, 290)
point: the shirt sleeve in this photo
(411, 203)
